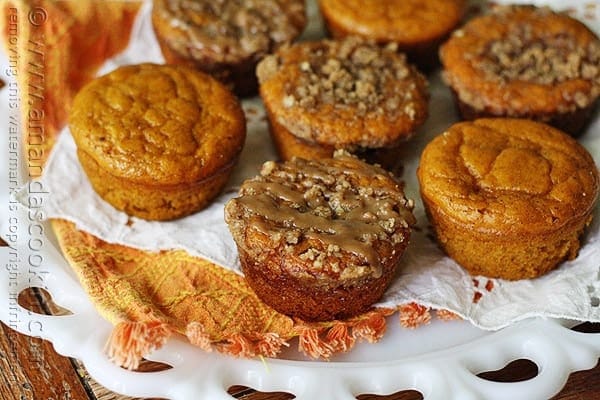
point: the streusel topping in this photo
(524, 55)
(234, 28)
(327, 201)
(352, 73)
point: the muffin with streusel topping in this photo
(350, 94)
(320, 239)
(508, 198)
(157, 141)
(525, 62)
(226, 38)
(418, 27)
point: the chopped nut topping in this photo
(351, 72)
(541, 58)
(545, 61)
(289, 101)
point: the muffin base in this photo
(152, 202)
(306, 299)
(289, 145)
(573, 122)
(239, 77)
(507, 256)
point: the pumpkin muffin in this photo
(157, 142)
(350, 94)
(320, 239)
(417, 26)
(226, 38)
(525, 62)
(508, 198)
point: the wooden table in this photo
(31, 370)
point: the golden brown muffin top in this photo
(508, 175)
(337, 218)
(403, 21)
(158, 124)
(344, 93)
(525, 59)
(228, 30)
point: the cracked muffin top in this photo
(158, 124)
(508, 175)
(402, 21)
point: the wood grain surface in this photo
(31, 370)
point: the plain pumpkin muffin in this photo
(525, 62)
(418, 27)
(226, 38)
(157, 142)
(350, 94)
(320, 239)
(508, 198)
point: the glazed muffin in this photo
(320, 239)
(508, 198)
(417, 26)
(226, 38)
(350, 94)
(157, 142)
(525, 62)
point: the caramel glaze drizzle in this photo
(352, 230)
